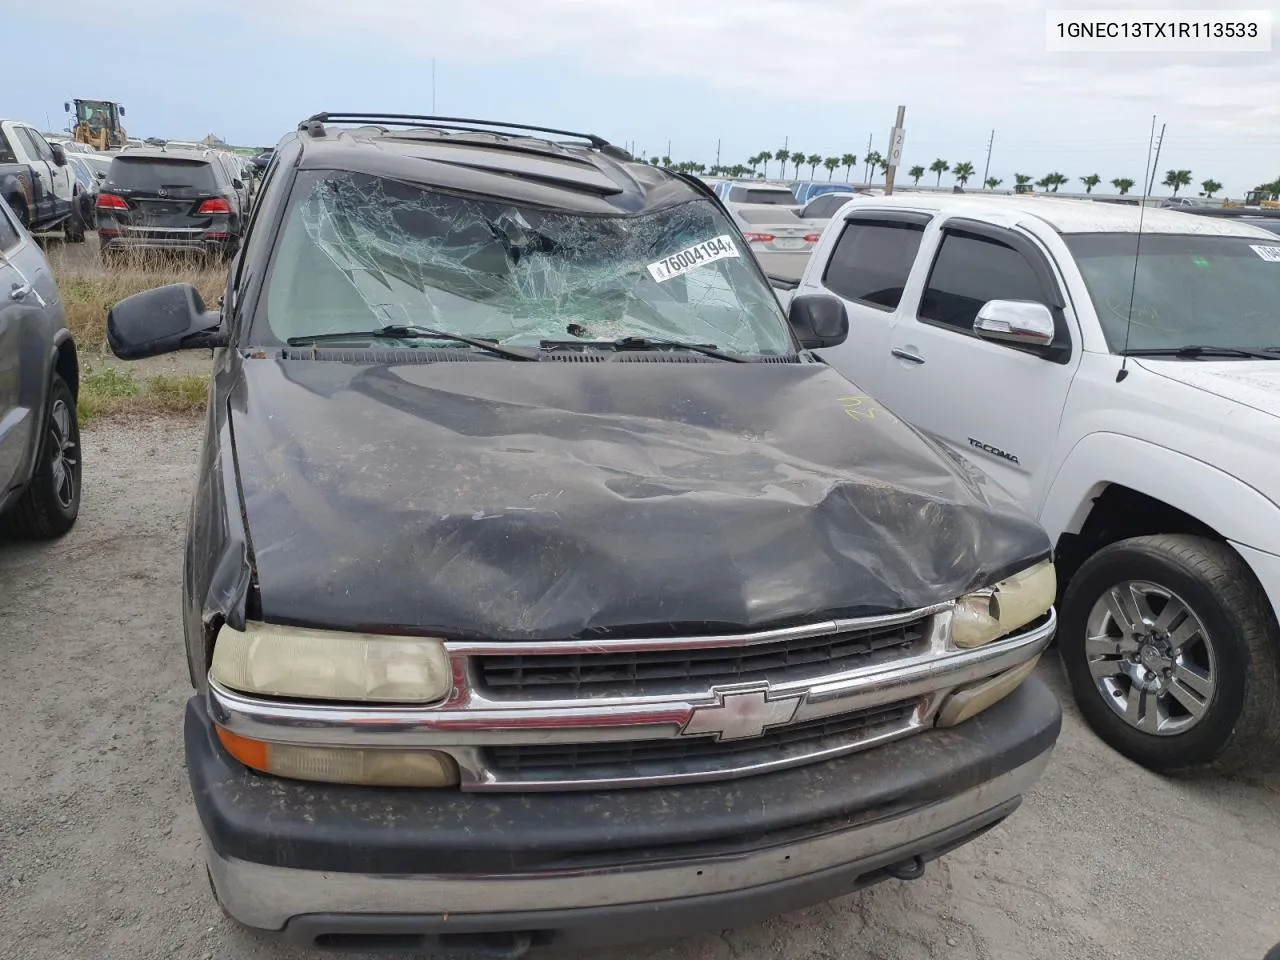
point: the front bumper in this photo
(363, 867)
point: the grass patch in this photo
(114, 393)
(89, 288)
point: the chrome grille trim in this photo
(469, 721)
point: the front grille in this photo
(658, 671)
(640, 758)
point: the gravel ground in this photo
(99, 856)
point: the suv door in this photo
(19, 299)
(996, 404)
(870, 261)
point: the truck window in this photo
(871, 261)
(6, 151)
(967, 272)
(35, 143)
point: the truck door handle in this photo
(904, 355)
(19, 291)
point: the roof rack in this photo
(314, 125)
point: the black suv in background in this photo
(153, 200)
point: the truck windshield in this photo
(359, 252)
(1190, 290)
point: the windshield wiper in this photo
(401, 331)
(1193, 351)
(650, 343)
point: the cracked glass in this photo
(359, 252)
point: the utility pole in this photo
(866, 168)
(717, 152)
(433, 85)
(895, 150)
(1156, 163)
(987, 167)
(668, 153)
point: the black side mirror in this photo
(163, 320)
(122, 111)
(59, 154)
(818, 321)
(238, 183)
(66, 107)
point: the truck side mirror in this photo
(66, 107)
(59, 154)
(1022, 322)
(818, 321)
(163, 320)
(122, 111)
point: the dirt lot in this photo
(99, 855)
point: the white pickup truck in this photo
(37, 182)
(1125, 388)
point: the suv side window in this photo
(970, 270)
(872, 260)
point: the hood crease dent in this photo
(499, 500)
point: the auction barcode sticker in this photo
(1266, 251)
(690, 258)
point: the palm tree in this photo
(1055, 180)
(939, 167)
(873, 161)
(813, 160)
(1022, 179)
(797, 157)
(1091, 181)
(666, 161)
(831, 164)
(1177, 179)
(962, 172)
(915, 173)
(782, 156)
(848, 161)
(1045, 182)
(993, 182)
(762, 158)
(654, 161)
(1122, 184)
(1210, 187)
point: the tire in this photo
(73, 232)
(49, 506)
(1210, 690)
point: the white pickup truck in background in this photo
(1145, 437)
(37, 182)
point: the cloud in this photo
(966, 57)
(957, 64)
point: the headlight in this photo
(278, 661)
(1012, 603)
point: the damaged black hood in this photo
(569, 500)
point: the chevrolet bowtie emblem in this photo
(741, 714)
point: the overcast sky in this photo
(820, 75)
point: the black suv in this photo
(543, 586)
(172, 201)
(39, 381)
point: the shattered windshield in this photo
(360, 252)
